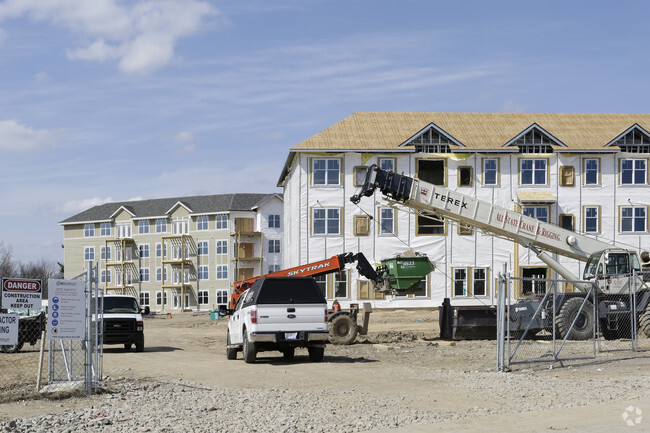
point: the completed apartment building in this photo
(177, 253)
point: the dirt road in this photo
(403, 365)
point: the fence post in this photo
(501, 319)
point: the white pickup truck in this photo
(279, 313)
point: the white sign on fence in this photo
(21, 293)
(67, 310)
(9, 329)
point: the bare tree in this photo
(7, 264)
(41, 270)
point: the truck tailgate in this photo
(297, 317)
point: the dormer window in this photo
(534, 142)
(432, 139)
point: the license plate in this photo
(290, 335)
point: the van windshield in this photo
(120, 305)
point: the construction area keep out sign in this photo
(21, 293)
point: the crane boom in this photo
(440, 201)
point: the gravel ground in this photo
(395, 378)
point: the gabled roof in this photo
(385, 131)
(198, 205)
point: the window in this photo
(180, 227)
(89, 253)
(539, 212)
(203, 297)
(106, 276)
(203, 272)
(340, 285)
(222, 272)
(567, 177)
(387, 221)
(159, 298)
(202, 222)
(592, 219)
(566, 221)
(387, 163)
(360, 174)
(479, 282)
(274, 246)
(161, 226)
(432, 171)
(158, 274)
(123, 230)
(465, 176)
(274, 221)
(633, 219)
(105, 229)
(274, 268)
(460, 282)
(143, 227)
(490, 171)
(164, 274)
(158, 250)
(221, 222)
(222, 297)
(592, 171)
(222, 247)
(361, 225)
(633, 172)
(326, 221)
(144, 299)
(89, 230)
(144, 251)
(326, 171)
(144, 274)
(429, 225)
(202, 248)
(106, 253)
(533, 171)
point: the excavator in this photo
(610, 270)
(394, 274)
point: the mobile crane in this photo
(343, 328)
(611, 269)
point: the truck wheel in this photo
(343, 330)
(316, 354)
(250, 351)
(11, 348)
(584, 327)
(289, 352)
(139, 346)
(644, 321)
(230, 353)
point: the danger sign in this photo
(21, 293)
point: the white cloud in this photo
(15, 137)
(512, 106)
(184, 137)
(42, 77)
(140, 37)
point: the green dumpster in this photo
(404, 272)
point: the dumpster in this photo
(214, 315)
(405, 271)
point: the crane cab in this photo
(612, 269)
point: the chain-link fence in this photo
(41, 362)
(23, 365)
(562, 320)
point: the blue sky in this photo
(110, 100)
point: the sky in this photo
(111, 100)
